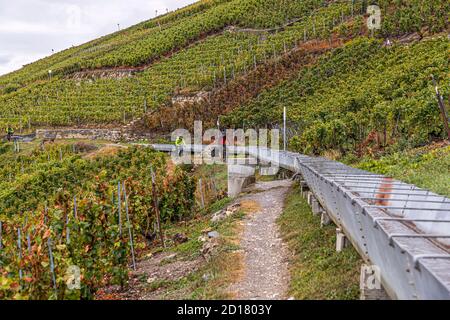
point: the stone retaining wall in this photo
(92, 134)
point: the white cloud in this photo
(30, 29)
(8, 63)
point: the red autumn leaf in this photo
(46, 234)
(14, 285)
(28, 279)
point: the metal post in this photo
(67, 229)
(19, 246)
(441, 107)
(29, 242)
(284, 128)
(52, 265)
(119, 206)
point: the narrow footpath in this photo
(266, 274)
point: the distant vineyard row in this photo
(154, 38)
(205, 66)
(361, 98)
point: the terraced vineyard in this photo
(337, 104)
(353, 94)
(61, 101)
(74, 204)
(32, 99)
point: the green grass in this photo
(317, 270)
(423, 167)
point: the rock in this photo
(205, 231)
(206, 277)
(180, 238)
(218, 216)
(168, 258)
(213, 234)
(224, 213)
(209, 248)
(151, 280)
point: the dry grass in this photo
(332, 154)
(170, 168)
(230, 260)
(105, 151)
(250, 206)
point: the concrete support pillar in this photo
(315, 206)
(309, 197)
(303, 188)
(370, 284)
(324, 219)
(239, 177)
(341, 240)
(268, 171)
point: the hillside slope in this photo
(351, 95)
(119, 77)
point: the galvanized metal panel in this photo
(412, 252)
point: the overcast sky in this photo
(30, 29)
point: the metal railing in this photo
(402, 229)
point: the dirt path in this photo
(266, 273)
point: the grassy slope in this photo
(223, 269)
(427, 167)
(317, 270)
